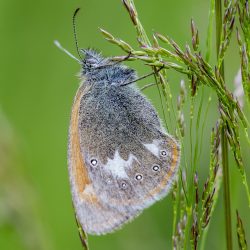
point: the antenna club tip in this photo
(56, 42)
(76, 11)
(75, 35)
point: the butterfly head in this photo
(99, 69)
(92, 59)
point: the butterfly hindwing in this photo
(144, 178)
(130, 159)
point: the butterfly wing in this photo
(132, 185)
(94, 216)
(129, 160)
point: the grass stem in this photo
(224, 143)
(226, 185)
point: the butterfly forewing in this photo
(94, 215)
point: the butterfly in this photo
(121, 160)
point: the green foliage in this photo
(38, 84)
(241, 233)
(244, 45)
(18, 206)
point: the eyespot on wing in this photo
(139, 181)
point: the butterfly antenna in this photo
(143, 77)
(58, 45)
(75, 34)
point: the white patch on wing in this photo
(118, 165)
(153, 148)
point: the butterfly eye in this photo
(163, 152)
(138, 177)
(93, 162)
(156, 168)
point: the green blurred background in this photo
(37, 86)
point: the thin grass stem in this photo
(224, 143)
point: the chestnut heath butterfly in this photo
(121, 160)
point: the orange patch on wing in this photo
(79, 169)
